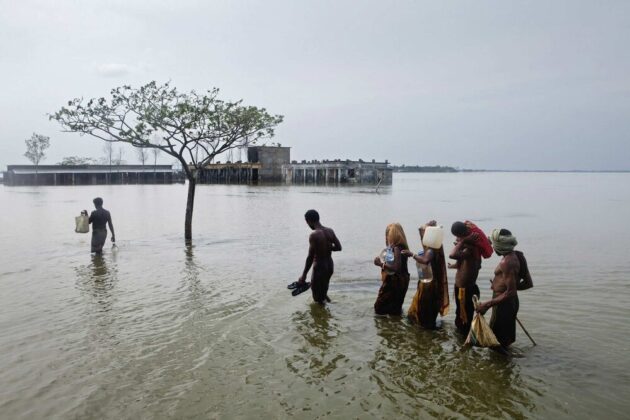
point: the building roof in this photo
(269, 147)
(339, 163)
(235, 165)
(87, 169)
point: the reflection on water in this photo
(191, 280)
(97, 280)
(429, 371)
(314, 359)
(97, 283)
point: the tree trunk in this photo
(190, 202)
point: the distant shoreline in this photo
(571, 171)
(449, 169)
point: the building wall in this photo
(271, 158)
(338, 172)
(22, 175)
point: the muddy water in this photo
(158, 330)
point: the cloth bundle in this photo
(503, 243)
(480, 334)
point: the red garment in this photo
(482, 242)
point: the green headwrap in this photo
(502, 244)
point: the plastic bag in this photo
(387, 256)
(480, 335)
(82, 224)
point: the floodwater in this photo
(158, 330)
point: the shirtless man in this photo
(322, 243)
(99, 219)
(510, 275)
(468, 264)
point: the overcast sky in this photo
(472, 84)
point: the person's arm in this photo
(378, 262)
(309, 259)
(525, 282)
(90, 218)
(422, 259)
(111, 226)
(471, 239)
(336, 245)
(510, 271)
(459, 252)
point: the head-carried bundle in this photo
(503, 241)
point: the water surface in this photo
(160, 330)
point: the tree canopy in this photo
(36, 148)
(77, 160)
(192, 127)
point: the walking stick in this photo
(525, 331)
(522, 326)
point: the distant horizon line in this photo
(549, 170)
(457, 169)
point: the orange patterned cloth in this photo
(431, 298)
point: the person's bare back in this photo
(322, 242)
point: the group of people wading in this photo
(432, 295)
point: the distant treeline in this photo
(417, 168)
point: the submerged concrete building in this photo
(271, 160)
(229, 173)
(272, 164)
(338, 172)
(17, 175)
(264, 165)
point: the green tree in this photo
(36, 150)
(76, 160)
(192, 127)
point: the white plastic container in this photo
(82, 224)
(433, 237)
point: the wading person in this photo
(510, 275)
(431, 296)
(99, 219)
(394, 272)
(468, 257)
(322, 242)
